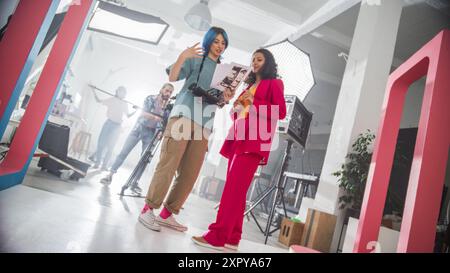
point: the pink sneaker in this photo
(199, 240)
(148, 219)
(171, 223)
(232, 247)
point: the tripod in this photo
(145, 159)
(278, 198)
(148, 154)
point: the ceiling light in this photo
(199, 16)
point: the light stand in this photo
(278, 198)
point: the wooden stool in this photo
(81, 143)
(290, 232)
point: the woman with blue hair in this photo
(185, 139)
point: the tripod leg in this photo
(140, 167)
(150, 152)
(284, 208)
(282, 194)
(272, 211)
(279, 190)
(127, 184)
(259, 200)
(133, 175)
(284, 203)
(138, 175)
(256, 221)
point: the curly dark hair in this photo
(268, 71)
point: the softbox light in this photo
(122, 22)
(294, 67)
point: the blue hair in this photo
(209, 37)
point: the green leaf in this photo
(353, 174)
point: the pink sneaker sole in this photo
(207, 245)
(232, 247)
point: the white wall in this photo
(387, 239)
(7, 7)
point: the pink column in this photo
(430, 156)
(18, 49)
(13, 168)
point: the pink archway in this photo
(426, 180)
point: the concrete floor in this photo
(47, 214)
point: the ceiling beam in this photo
(279, 36)
(333, 37)
(339, 39)
(273, 10)
(327, 12)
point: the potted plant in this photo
(352, 176)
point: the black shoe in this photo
(136, 189)
(106, 180)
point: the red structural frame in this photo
(14, 166)
(18, 50)
(428, 168)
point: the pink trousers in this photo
(230, 217)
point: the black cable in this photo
(309, 155)
(201, 68)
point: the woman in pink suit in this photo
(248, 144)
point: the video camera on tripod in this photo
(150, 150)
(166, 111)
(210, 96)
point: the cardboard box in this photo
(290, 232)
(319, 230)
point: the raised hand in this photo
(194, 51)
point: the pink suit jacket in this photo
(255, 133)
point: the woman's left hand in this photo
(248, 96)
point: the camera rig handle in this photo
(211, 96)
